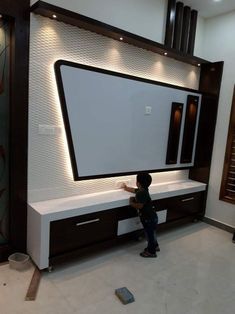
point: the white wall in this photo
(219, 45)
(49, 168)
(199, 39)
(144, 18)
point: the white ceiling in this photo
(211, 8)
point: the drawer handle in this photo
(187, 199)
(87, 222)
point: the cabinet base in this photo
(108, 244)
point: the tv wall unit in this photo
(61, 228)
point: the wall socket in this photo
(148, 110)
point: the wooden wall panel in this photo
(18, 13)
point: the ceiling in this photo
(210, 8)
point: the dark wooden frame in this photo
(57, 66)
(72, 18)
(174, 133)
(18, 13)
(189, 129)
(228, 151)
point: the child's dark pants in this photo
(150, 231)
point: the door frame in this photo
(19, 13)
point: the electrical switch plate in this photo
(148, 110)
(44, 129)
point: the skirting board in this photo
(218, 224)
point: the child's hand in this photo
(124, 186)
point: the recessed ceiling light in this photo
(54, 16)
(165, 53)
(199, 64)
(121, 38)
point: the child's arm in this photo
(132, 200)
(127, 188)
(134, 204)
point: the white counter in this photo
(40, 214)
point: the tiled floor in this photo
(193, 274)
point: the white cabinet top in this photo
(79, 205)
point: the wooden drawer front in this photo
(180, 206)
(77, 232)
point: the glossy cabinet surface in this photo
(181, 206)
(77, 232)
(84, 231)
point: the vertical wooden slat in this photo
(192, 32)
(185, 29)
(178, 25)
(170, 23)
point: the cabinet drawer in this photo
(129, 225)
(134, 223)
(80, 231)
(181, 206)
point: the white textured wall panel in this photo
(144, 18)
(49, 171)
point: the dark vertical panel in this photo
(174, 133)
(189, 129)
(185, 29)
(178, 25)
(206, 129)
(210, 78)
(18, 12)
(210, 82)
(5, 40)
(170, 19)
(192, 32)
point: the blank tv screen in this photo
(115, 124)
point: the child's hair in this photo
(144, 179)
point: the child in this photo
(142, 203)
